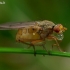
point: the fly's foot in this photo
(34, 53)
(49, 53)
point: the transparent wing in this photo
(15, 25)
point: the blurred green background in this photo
(57, 11)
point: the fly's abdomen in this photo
(23, 35)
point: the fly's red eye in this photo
(57, 28)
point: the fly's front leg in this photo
(57, 44)
(53, 45)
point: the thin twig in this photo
(38, 52)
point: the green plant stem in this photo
(39, 52)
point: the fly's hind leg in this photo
(31, 45)
(38, 41)
(34, 50)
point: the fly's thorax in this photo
(45, 33)
(45, 24)
(46, 27)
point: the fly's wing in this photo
(15, 25)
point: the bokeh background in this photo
(57, 11)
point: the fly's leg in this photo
(53, 45)
(31, 44)
(36, 42)
(34, 50)
(44, 48)
(57, 47)
(57, 44)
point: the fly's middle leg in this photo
(44, 49)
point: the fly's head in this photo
(59, 29)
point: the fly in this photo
(36, 33)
